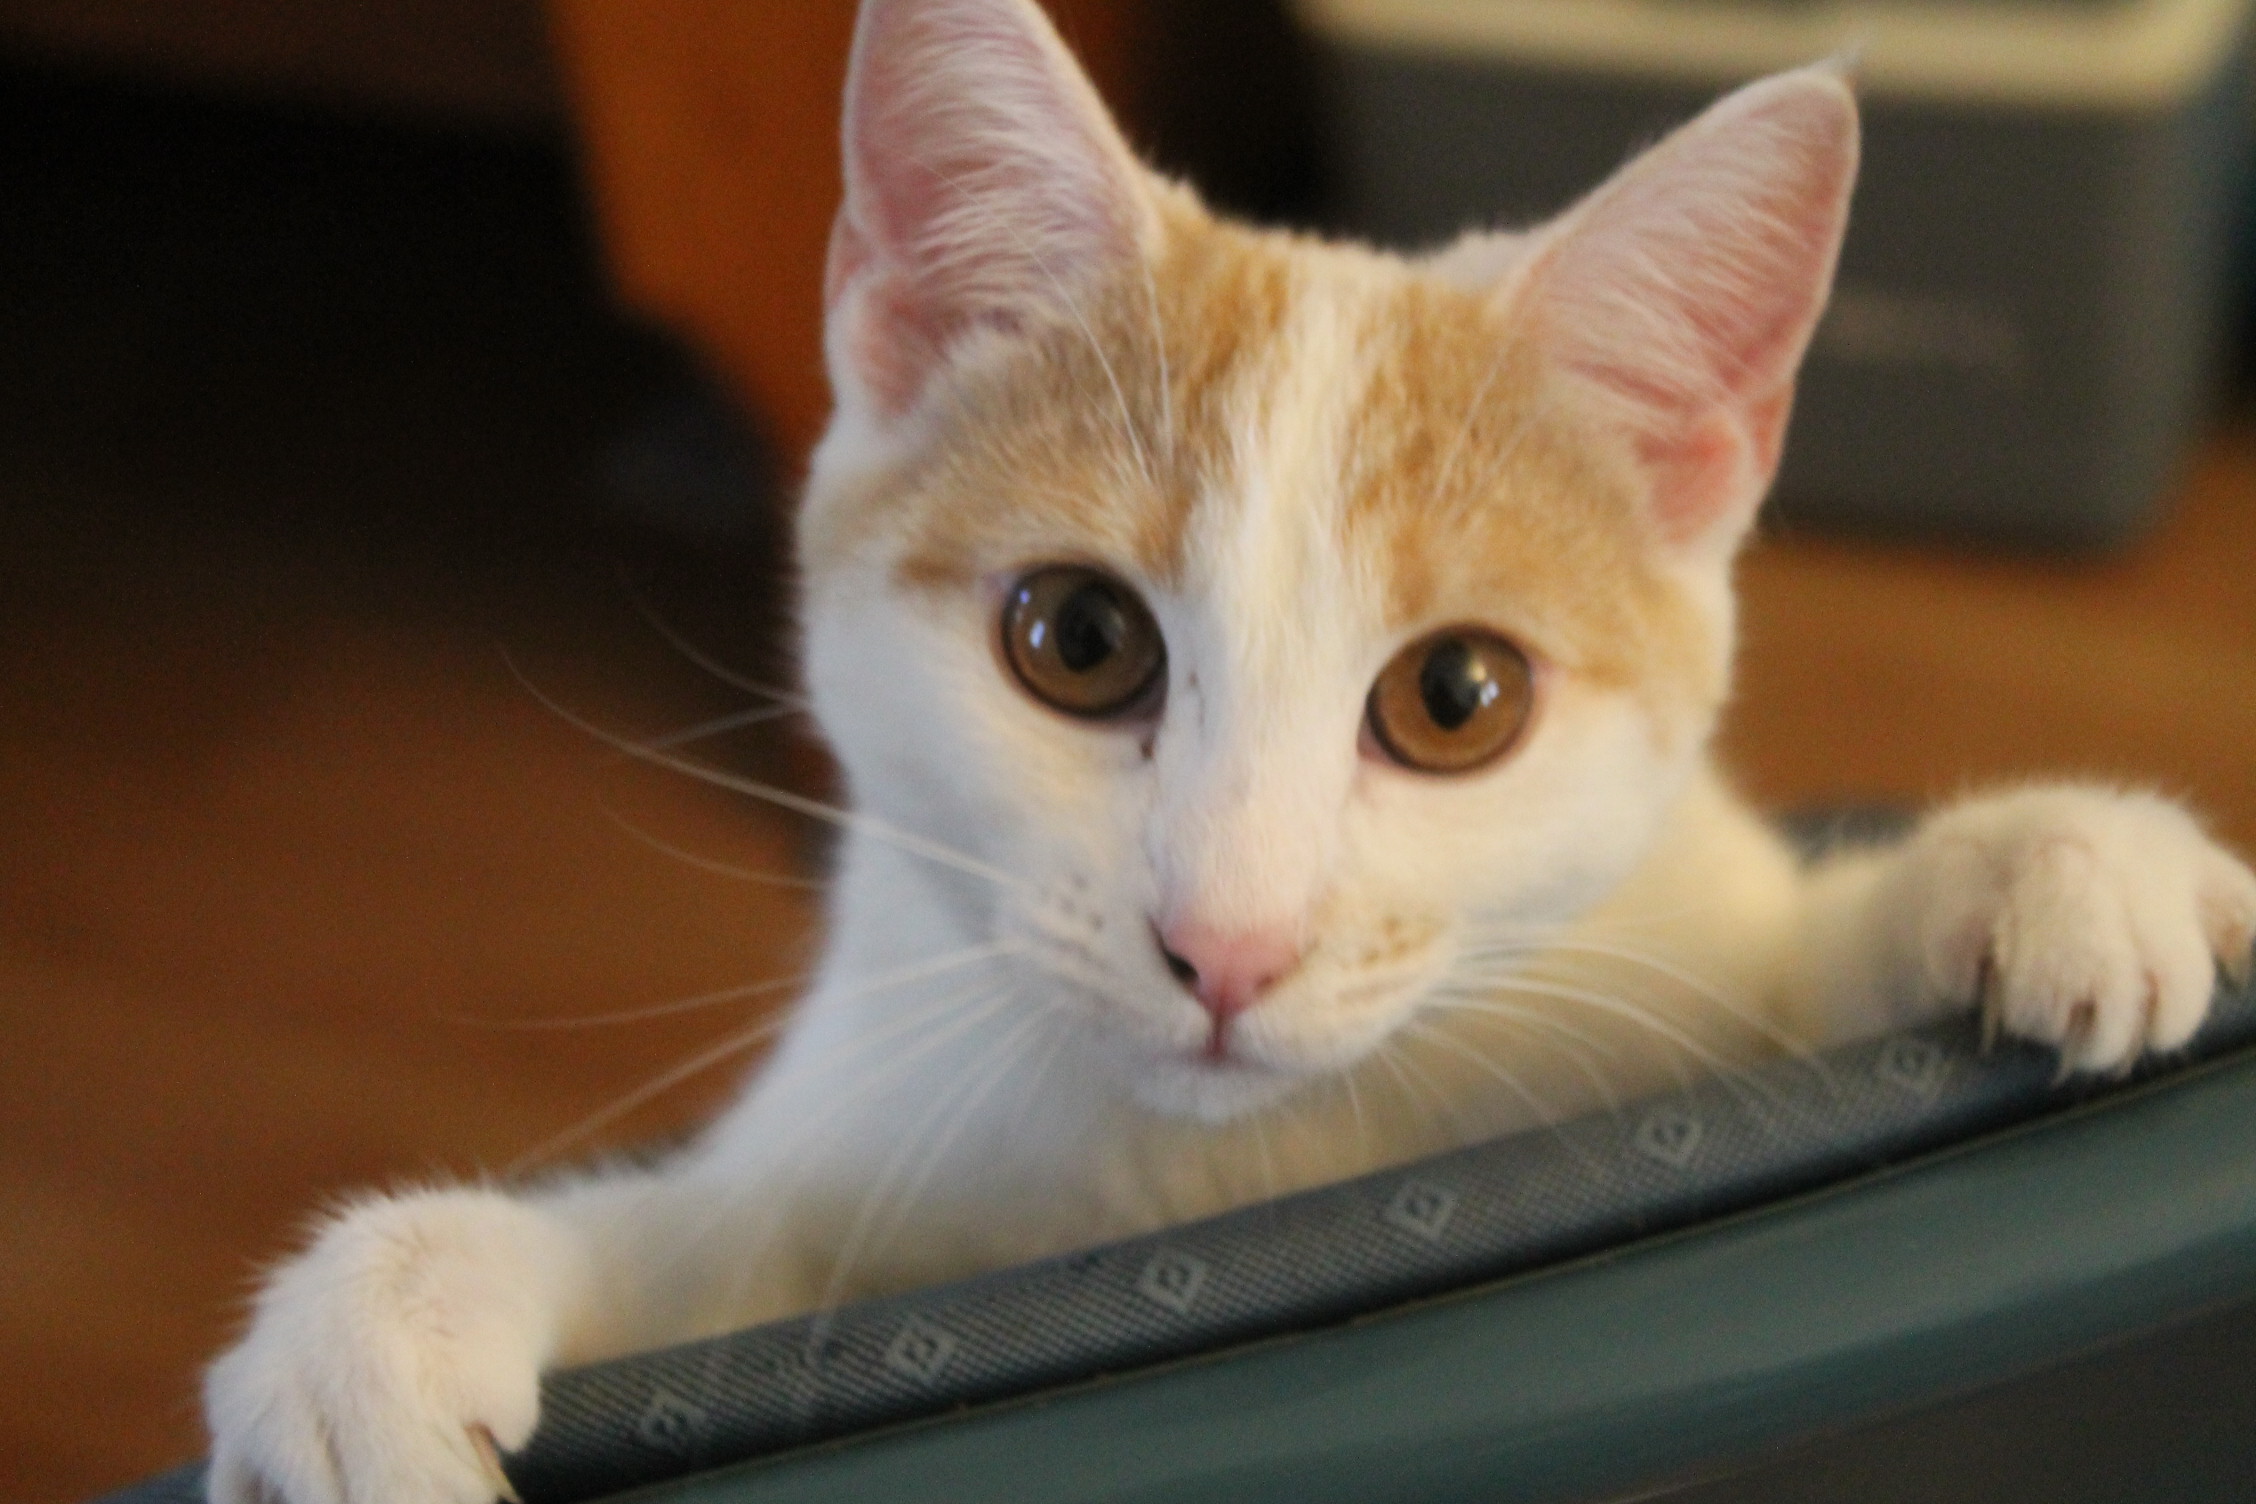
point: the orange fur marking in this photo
(1470, 485)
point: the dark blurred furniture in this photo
(2032, 303)
(480, 60)
(708, 128)
(711, 140)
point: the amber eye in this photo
(1452, 701)
(1081, 641)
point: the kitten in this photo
(1274, 682)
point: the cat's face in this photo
(1284, 620)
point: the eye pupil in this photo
(1452, 701)
(1082, 642)
(1454, 684)
(1090, 627)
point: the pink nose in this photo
(1227, 970)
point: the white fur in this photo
(994, 1062)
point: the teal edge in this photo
(1950, 1273)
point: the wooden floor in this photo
(1914, 673)
(290, 857)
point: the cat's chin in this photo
(1210, 1091)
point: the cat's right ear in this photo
(986, 189)
(1683, 292)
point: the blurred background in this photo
(388, 385)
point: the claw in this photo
(2082, 1019)
(1985, 975)
(489, 1458)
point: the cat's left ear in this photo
(986, 189)
(1682, 294)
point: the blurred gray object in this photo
(2032, 300)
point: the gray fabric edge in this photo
(1309, 1261)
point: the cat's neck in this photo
(1011, 1093)
(976, 1081)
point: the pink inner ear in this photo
(1702, 471)
(984, 182)
(1686, 289)
(1695, 474)
(882, 332)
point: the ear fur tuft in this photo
(984, 183)
(1684, 291)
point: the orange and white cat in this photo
(1274, 681)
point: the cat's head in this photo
(1280, 619)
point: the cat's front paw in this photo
(2090, 920)
(386, 1363)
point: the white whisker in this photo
(1042, 1068)
(1737, 1080)
(1749, 1015)
(1010, 1055)
(1385, 1056)
(698, 657)
(692, 1004)
(1255, 1122)
(709, 864)
(800, 804)
(1448, 470)
(1785, 1039)
(657, 1086)
(1529, 1018)
(1355, 1108)
(1460, 1126)
(1546, 1115)
(739, 1042)
(735, 720)
(933, 1133)
(1530, 415)
(940, 1021)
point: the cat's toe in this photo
(393, 1361)
(272, 1448)
(2064, 968)
(2099, 919)
(2228, 913)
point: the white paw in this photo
(384, 1363)
(2091, 921)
